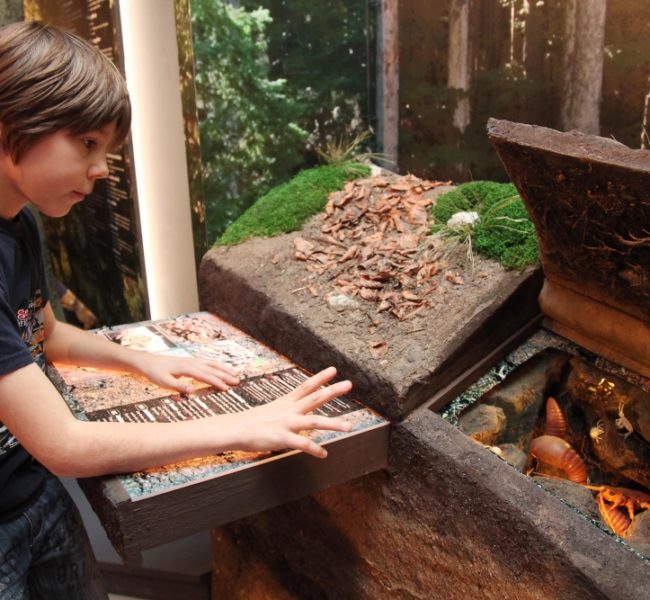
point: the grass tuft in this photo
(504, 231)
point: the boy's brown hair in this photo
(51, 80)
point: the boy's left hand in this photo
(171, 372)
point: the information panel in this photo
(143, 509)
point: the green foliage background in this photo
(250, 137)
(325, 52)
(272, 91)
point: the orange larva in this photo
(557, 452)
(555, 421)
(615, 518)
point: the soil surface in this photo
(392, 322)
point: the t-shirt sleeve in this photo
(34, 238)
(18, 346)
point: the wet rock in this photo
(484, 423)
(523, 393)
(638, 534)
(576, 495)
(638, 414)
(526, 387)
(514, 456)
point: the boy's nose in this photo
(98, 170)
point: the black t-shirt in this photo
(23, 296)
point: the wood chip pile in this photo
(374, 245)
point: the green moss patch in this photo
(287, 207)
(504, 231)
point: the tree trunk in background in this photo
(10, 11)
(583, 65)
(388, 82)
(535, 43)
(459, 73)
(645, 125)
(191, 127)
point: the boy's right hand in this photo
(276, 425)
(173, 371)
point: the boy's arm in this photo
(38, 416)
(68, 344)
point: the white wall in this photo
(162, 183)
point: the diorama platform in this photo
(448, 518)
(471, 523)
(396, 359)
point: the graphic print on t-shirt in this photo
(30, 320)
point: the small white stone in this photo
(342, 302)
(462, 218)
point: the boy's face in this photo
(56, 172)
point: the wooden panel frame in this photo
(136, 525)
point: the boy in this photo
(63, 106)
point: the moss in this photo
(287, 207)
(504, 232)
(508, 235)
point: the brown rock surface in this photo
(449, 520)
(588, 198)
(484, 423)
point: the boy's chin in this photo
(59, 211)
(57, 205)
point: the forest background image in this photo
(276, 81)
(285, 80)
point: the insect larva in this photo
(557, 452)
(615, 518)
(555, 421)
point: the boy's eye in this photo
(89, 143)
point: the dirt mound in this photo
(364, 287)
